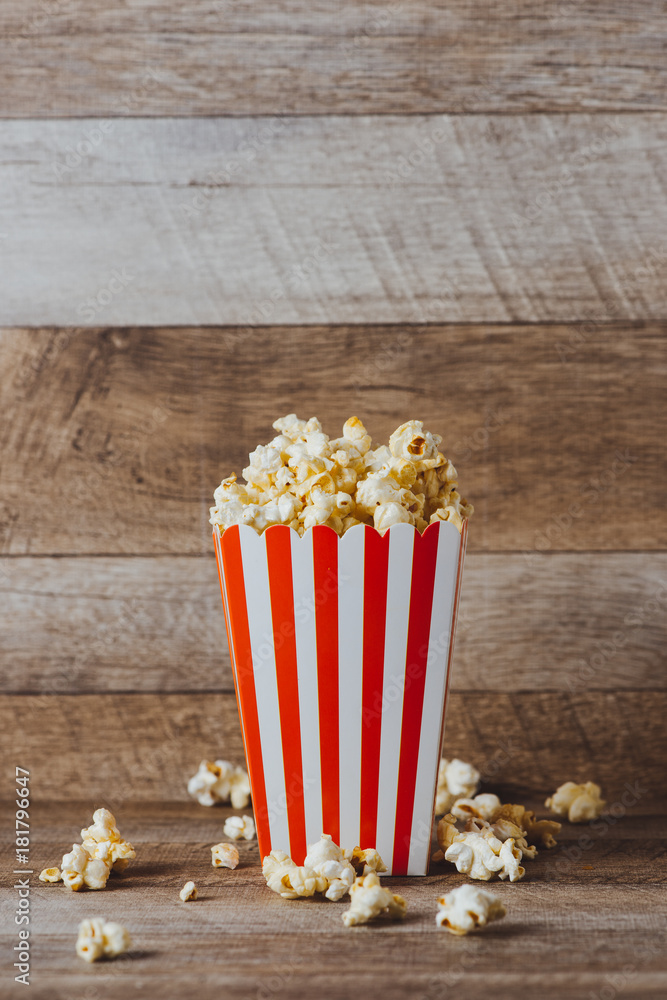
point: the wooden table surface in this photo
(579, 924)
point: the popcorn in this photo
(482, 807)
(486, 814)
(482, 855)
(327, 859)
(50, 875)
(220, 781)
(468, 908)
(79, 869)
(456, 779)
(103, 841)
(303, 478)
(239, 828)
(99, 938)
(477, 851)
(188, 892)
(368, 899)
(579, 803)
(224, 856)
(327, 868)
(288, 879)
(365, 861)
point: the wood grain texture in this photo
(238, 57)
(145, 747)
(570, 924)
(122, 435)
(541, 218)
(563, 622)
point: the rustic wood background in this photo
(219, 213)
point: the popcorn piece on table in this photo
(478, 853)
(365, 861)
(239, 828)
(328, 859)
(483, 806)
(288, 879)
(456, 780)
(482, 855)
(369, 899)
(103, 841)
(220, 781)
(580, 803)
(188, 892)
(101, 939)
(327, 868)
(50, 875)
(224, 856)
(79, 869)
(468, 908)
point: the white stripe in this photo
(434, 696)
(350, 679)
(258, 600)
(306, 660)
(401, 545)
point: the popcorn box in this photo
(341, 649)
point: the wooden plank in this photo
(568, 935)
(76, 57)
(118, 437)
(328, 220)
(564, 622)
(145, 747)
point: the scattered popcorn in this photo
(188, 892)
(327, 859)
(467, 908)
(288, 879)
(456, 780)
(366, 861)
(482, 855)
(50, 875)
(368, 899)
(327, 868)
(79, 869)
(99, 938)
(103, 841)
(537, 831)
(485, 816)
(303, 478)
(580, 803)
(481, 806)
(224, 856)
(239, 828)
(220, 781)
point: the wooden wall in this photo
(214, 217)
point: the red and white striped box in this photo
(341, 649)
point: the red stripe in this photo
(245, 679)
(376, 564)
(419, 624)
(279, 559)
(325, 562)
(218, 559)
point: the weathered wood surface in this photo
(547, 218)
(117, 438)
(562, 622)
(575, 921)
(76, 57)
(147, 746)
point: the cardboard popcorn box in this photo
(341, 649)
